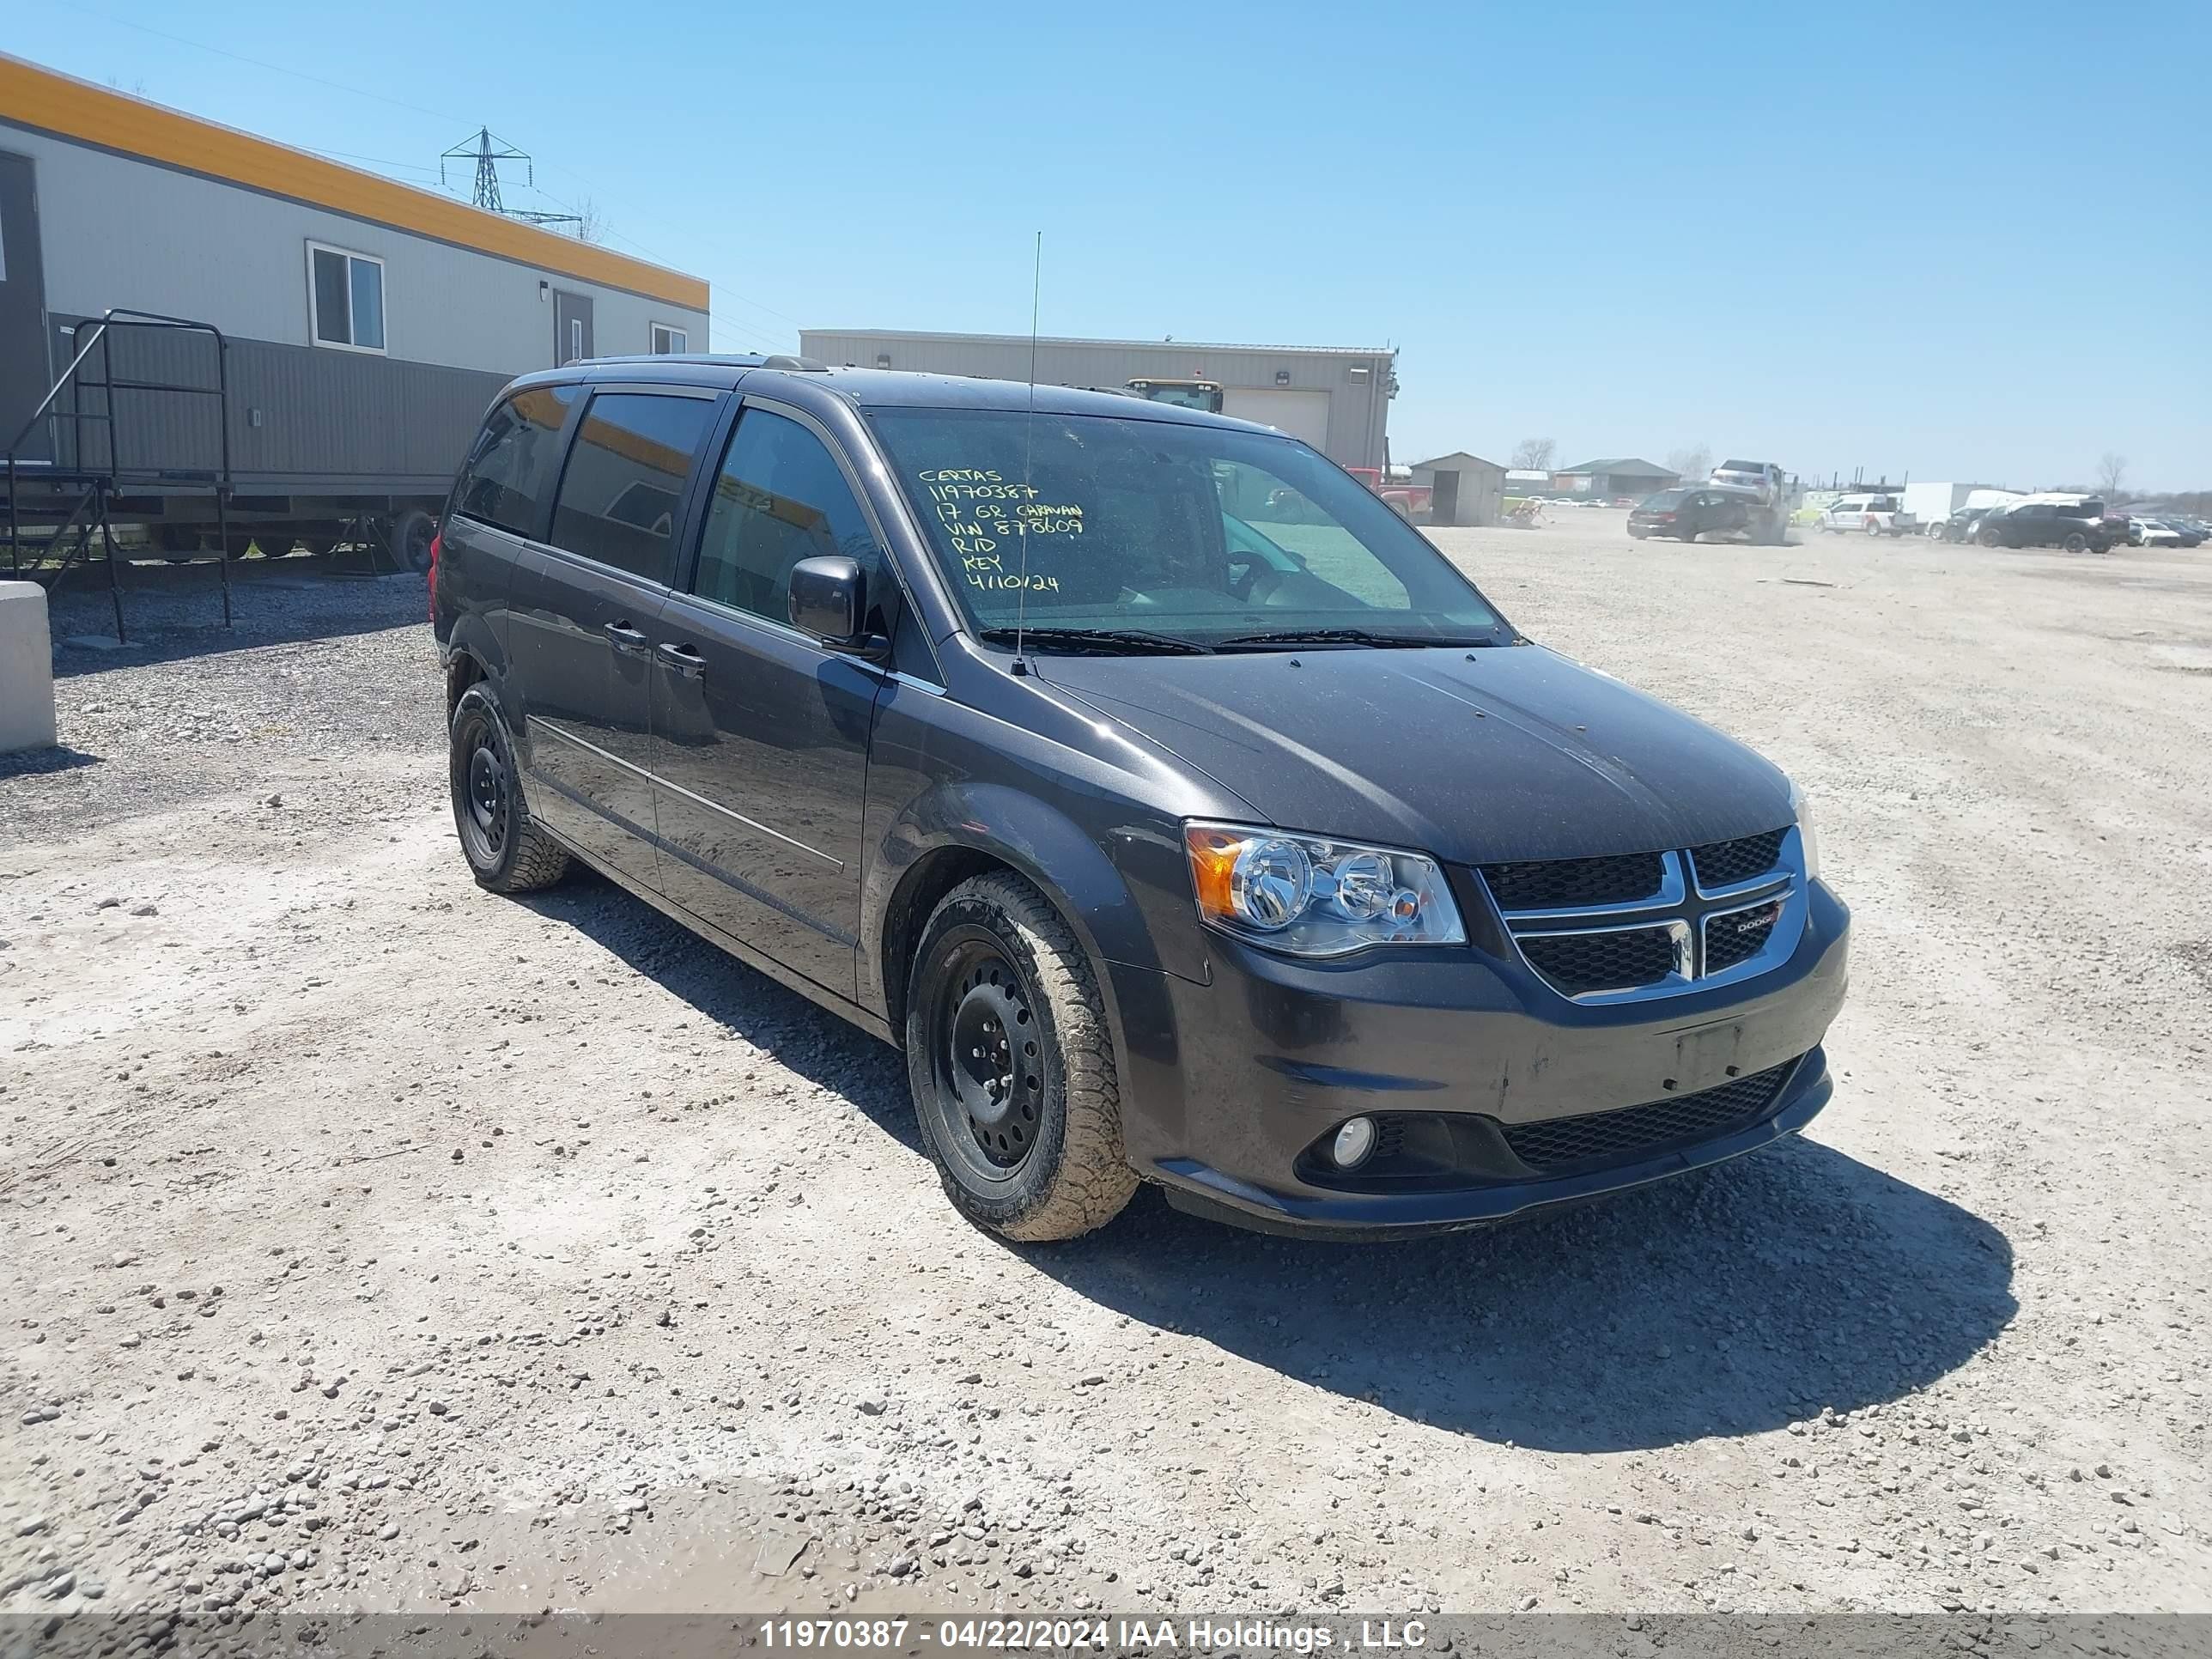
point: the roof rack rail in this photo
(804, 365)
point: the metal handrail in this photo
(106, 478)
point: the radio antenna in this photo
(1028, 438)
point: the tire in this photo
(1987, 536)
(1030, 1156)
(410, 542)
(506, 850)
(273, 543)
(2075, 542)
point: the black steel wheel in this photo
(505, 849)
(1010, 1064)
(984, 1050)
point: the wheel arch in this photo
(967, 830)
(472, 654)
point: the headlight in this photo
(1318, 898)
(1807, 838)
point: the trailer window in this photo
(345, 292)
(509, 471)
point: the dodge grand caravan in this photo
(1178, 810)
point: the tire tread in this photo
(1094, 1180)
(538, 860)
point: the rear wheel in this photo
(2075, 542)
(1011, 1066)
(506, 852)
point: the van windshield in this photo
(1195, 533)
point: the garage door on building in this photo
(1302, 413)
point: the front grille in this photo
(1724, 863)
(1558, 884)
(1739, 936)
(1561, 1143)
(1614, 961)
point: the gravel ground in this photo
(373, 1243)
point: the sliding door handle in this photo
(626, 640)
(681, 659)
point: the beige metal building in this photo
(1335, 398)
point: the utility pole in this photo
(487, 152)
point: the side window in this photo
(779, 498)
(624, 484)
(509, 471)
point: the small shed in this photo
(1464, 489)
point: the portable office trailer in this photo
(1335, 398)
(357, 327)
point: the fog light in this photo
(1353, 1142)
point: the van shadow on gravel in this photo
(1742, 1299)
(1737, 1300)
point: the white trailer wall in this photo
(118, 231)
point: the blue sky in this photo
(1963, 241)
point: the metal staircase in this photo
(68, 466)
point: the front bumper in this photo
(1230, 1085)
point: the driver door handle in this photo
(682, 659)
(626, 640)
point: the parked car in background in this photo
(1876, 515)
(1686, 514)
(1960, 526)
(2195, 533)
(1227, 839)
(2077, 523)
(2152, 532)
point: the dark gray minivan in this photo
(1182, 812)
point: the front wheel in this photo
(507, 851)
(2075, 543)
(1987, 537)
(1011, 1066)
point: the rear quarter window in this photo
(508, 475)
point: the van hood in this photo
(1500, 753)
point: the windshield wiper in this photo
(1133, 642)
(1348, 637)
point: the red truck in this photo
(1409, 500)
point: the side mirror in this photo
(828, 599)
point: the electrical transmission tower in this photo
(487, 152)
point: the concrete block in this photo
(26, 668)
